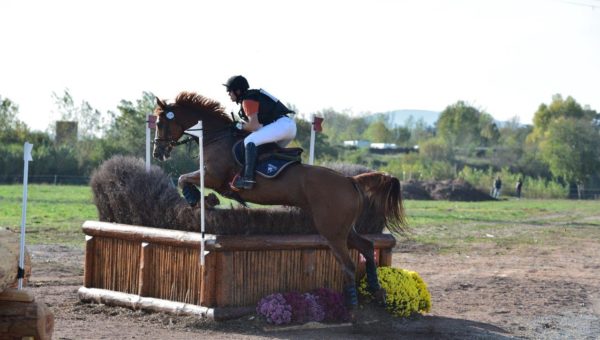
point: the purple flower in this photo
(332, 303)
(299, 306)
(275, 308)
(315, 311)
(321, 305)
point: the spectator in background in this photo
(518, 187)
(497, 188)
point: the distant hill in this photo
(399, 117)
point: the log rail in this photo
(164, 265)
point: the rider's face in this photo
(232, 95)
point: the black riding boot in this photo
(247, 179)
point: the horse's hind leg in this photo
(342, 254)
(367, 249)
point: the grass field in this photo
(55, 215)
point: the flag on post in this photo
(195, 130)
(316, 127)
(151, 121)
(27, 147)
(317, 121)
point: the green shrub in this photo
(406, 291)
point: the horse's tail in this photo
(382, 205)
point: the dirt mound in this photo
(450, 190)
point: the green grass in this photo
(55, 215)
(458, 226)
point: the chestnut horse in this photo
(336, 203)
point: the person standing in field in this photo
(497, 188)
(518, 187)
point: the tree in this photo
(463, 125)
(436, 149)
(126, 134)
(340, 127)
(509, 150)
(571, 147)
(489, 132)
(401, 135)
(419, 131)
(558, 108)
(12, 130)
(378, 132)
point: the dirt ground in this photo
(535, 292)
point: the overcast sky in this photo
(503, 56)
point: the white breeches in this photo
(282, 131)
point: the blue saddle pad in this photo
(272, 159)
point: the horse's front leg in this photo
(187, 183)
(189, 187)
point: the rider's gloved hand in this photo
(239, 126)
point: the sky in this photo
(505, 57)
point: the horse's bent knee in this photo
(180, 181)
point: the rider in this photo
(265, 117)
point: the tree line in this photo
(562, 146)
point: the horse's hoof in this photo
(211, 200)
(380, 297)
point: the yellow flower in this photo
(406, 291)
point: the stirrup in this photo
(243, 183)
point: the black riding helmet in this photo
(237, 83)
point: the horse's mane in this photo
(201, 104)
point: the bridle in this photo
(209, 137)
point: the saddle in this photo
(272, 159)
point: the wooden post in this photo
(208, 289)
(88, 269)
(385, 257)
(21, 316)
(145, 273)
(224, 277)
(309, 259)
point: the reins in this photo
(209, 137)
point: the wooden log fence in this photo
(139, 267)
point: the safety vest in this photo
(269, 108)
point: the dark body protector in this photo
(269, 107)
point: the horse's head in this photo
(169, 129)
(173, 119)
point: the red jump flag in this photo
(151, 121)
(317, 121)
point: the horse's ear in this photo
(160, 103)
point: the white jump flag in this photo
(196, 130)
(150, 124)
(26, 159)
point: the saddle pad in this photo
(272, 160)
